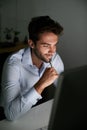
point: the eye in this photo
(45, 45)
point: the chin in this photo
(47, 60)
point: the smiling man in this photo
(29, 71)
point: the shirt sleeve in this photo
(15, 103)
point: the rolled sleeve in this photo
(32, 96)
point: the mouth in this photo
(48, 57)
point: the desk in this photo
(13, 48)
(35, 118)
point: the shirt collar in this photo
(26, 59)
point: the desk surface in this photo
(35, 118)
(13, 48)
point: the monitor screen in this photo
(69, 110)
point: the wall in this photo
(72, 14)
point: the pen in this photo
(50, 63)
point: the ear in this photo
(30, 43)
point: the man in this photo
(30, 70)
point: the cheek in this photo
(54, 49)
(43, 50)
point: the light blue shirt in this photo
(18, 80)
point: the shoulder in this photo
(16, 57)
(58, 62)
(56, 57)
(13, 63)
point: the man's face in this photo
(46, 46)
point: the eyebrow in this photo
(45, 43)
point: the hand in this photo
(47, 79)
(49, 76)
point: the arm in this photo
(49, 76)
(16, 103)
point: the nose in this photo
(52, 50)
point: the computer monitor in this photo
(69, 110)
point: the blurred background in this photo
(71, 14)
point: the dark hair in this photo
(43, 24)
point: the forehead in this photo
(48, 37)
